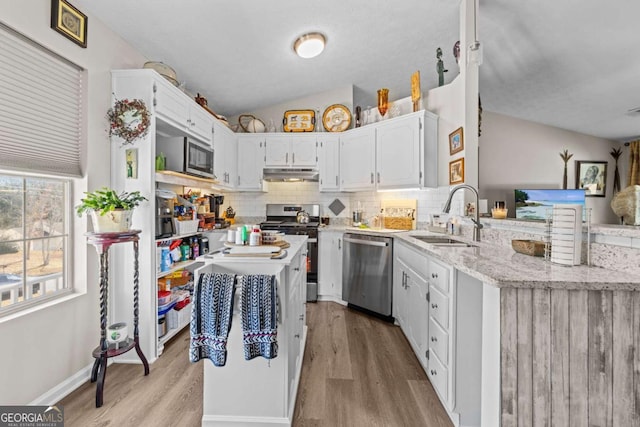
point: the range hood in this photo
(290, 174)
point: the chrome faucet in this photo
(476, 220)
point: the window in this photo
(34, 240)
(41, 150)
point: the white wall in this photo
(41, 350)
(516, 153)
(317, 102)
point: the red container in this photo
(164, 297)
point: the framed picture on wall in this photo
(456, 141)
(456, 171)
(69, 21)
(592, 177)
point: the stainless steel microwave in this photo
(186, 155)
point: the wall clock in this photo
(336, 118)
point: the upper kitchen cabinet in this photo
(398, 145)
(358, 159)
(329, 162)
(225, 156)
(250, 162)
(290, 150)
(177, 109)
(397, 153)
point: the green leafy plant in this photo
(107, 200)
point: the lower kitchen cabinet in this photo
(330, 265)
(439, 310)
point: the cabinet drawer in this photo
(438, 376)
(439, 276)
(439, 307)
(438, 341)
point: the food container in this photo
(162, 325)
(271, 236)
(164, 298)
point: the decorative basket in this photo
(528, 247)
(186, 227)
(398, 222)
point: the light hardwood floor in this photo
(357, 371)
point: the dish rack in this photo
(563, 240)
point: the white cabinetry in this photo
(169, 108)
(358, 159)
(177, 109)
(225, 155)
(330, 265)
(410, 307)
(398, 152)
(329, 162)
(290, 150)
(250, 162)
(393, 154)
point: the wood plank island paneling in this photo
(570, 358)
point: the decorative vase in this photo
(111, 222)
(383, 101)
(564, 178)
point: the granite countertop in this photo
(501, 266)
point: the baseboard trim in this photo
(331, 299)
(221, 420)
(57, 393)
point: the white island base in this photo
(260, 392)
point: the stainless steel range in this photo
(285, 218)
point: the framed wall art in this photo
(456, 141)
(456, 171)
(592, 177)
(69, 21)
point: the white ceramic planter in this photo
(111, 222)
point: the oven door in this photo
(198, 159)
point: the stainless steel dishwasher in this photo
(367, 273)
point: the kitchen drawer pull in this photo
(293, 158)
(434, 306)
(434, 339)
(296, 268)
(286, 158)
(297, 335)
(434, 275)
(433, 372)
(302, 317)
(372, 177)
(378, 177)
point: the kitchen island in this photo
(560, 345)
(260, 392)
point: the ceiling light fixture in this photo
(309, 45)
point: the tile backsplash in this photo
(252, 204)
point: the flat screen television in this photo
(535, 204)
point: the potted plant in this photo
(110, 212)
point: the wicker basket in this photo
(186, 227)
(398, 222)
(528, 247)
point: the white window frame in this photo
(67, 287)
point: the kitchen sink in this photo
(441, 241)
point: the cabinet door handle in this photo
(296, 268)
(238, 180)
(297, 335)
(293, 158)
(339, 243)
(372, 177)
(434, 339)
(433, 372)
(302, 317)
(155, 88)
(336, 180)
(434, 306)
(434, 275)
(378, 177)
(286, 158)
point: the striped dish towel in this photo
(211, 317)
(259, 316)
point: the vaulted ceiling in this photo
(569, 64)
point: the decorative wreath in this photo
(129, 119)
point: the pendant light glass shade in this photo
(309, 45)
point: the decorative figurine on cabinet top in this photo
(441, 69)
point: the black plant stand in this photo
(102, 243)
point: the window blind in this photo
(41, 111)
